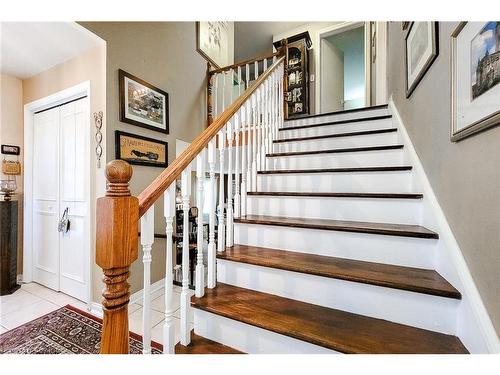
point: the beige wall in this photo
(88, 66)
(11, 133)
(465, 176)
(163, 54)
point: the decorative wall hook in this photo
(98, 136)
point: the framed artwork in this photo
(142, 104)
(212, 42)
(475, 78)
(405, 24)
(11, 150)
(139, 150)
(421, 49)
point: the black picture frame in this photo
(121, 88)
(11, 150)
(118, 154)
(435, 53)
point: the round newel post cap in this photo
(118, 174)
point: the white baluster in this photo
(221, 228)
(265, 64)
(211, 226)
(238, 149)
(200, 269)
(253, 179)
(256, 70)
(147, 240)
(274, 59)
(185, 294)
(168, 325)
(216, 96)
(231, 85)
(244, 148)
(265, 124)
(247, 75)
(259, 128)
(229, 210)
(239, 80)
(223, 105)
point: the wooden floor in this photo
(386, 275)
(334, 329)
(201, 345)
(341, 225)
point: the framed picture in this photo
(140, 150)
(421, 49)
(10, 150)
(475, 78)
(404, 25)
(142, 104)
(212, 42)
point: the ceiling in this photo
(254, 38)
(28, 48)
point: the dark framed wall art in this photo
(421, 49)
(142, 104)
(475, 78)
(139, 150)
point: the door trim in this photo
(70, 94)
(335, 29)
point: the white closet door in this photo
(74, 175)
(46, 198)
(61, 180)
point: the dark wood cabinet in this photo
(8, 244)
(297, 70)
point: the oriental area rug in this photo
(67, 330)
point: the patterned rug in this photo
(64, 331)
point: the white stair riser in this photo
(351, 182)
(339, 160)
(401, 211)
(341, 142)
(415, 309)
(250, 339)
(338, 117)
(336, 128)
(404, 251)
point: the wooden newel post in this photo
(116, 250)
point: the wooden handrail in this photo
(174, 170)
(244, 62)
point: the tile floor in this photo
(33, 300)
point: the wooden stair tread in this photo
(338, 122)
(338, 135)
(201, 345)
(360, 109)
(404, 230)
(385, 275)
(340, 170)
(335, 195)
(336, 150)
(334, 329)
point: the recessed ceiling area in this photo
(28, 48)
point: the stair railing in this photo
(243, 132)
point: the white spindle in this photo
(265, 64)
(253, 186)
(247, 75)
(211, 278)
(256, 70)
(147, 240)
(168, 325)
(223, 105)
(221, 228)
(229, 210)
(259, 128)
(186, 195)
(239, 80)
(274, 59)
(244, 148)
(231, 86)
(238, 149)
(200, 269)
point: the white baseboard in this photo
(474, 326)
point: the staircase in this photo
(320, 241)
(330, 256)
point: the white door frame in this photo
(71, 93)
(336, 29)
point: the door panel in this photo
(73, 183)
(45, 198)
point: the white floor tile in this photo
(158, 304)
(17, 301)
(135, 320)
(26, 314)
(157, 332)
(177, 314)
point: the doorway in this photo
(344, 74)
(57, 186)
